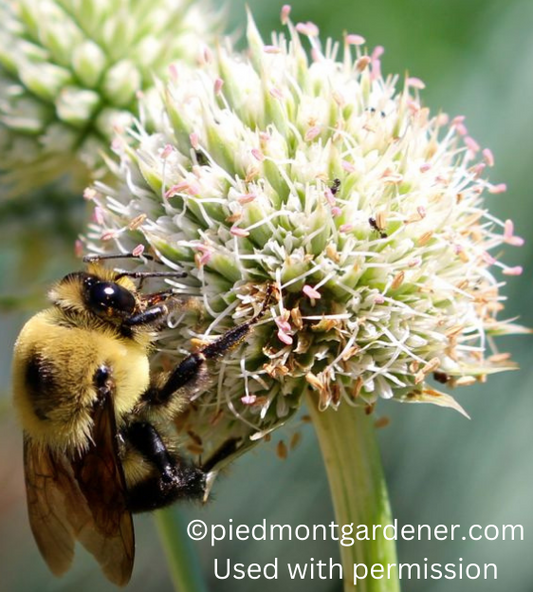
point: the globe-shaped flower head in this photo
(324, 179)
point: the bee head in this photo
(107, 299)
(98, 291)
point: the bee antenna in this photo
(97, 257)
(147, 274)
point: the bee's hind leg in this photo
(166, 476)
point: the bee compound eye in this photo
(109, 297)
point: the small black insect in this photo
(373, 223)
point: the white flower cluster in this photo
(320, 177)
(70, 72)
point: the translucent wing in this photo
(99, 474)
(52, 495)
(83, 499)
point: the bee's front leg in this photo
(149, 317)
(190, 373)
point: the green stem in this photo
(353, 464)
(181, 557)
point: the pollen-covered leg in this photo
(165, 476)
(190, 374)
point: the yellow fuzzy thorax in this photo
(71, 356)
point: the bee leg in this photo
(150, 316)
(227, 449)
(189, 372)
(172, 477)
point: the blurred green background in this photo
(476, 58)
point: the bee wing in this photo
(109, 536)
(83, 500)
(56, 506)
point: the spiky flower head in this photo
(70, 71)
(323, 178)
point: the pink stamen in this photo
(379, 299)
(276, 93)
(248, 399)
(309, 29)
(98, 215)
(258, 155)
(271, 49)
(500, 188)
(207, 54)
(284, 338)
(195, 140)
(108, 235)
(508, 229)
(312, 133)
(471, 144)
(285, 12)
(376, 69)
(238, 231)
(219, 83)
(282, 324)
(414, 82)
(138, 250)
(348, 166)
(393, 178)
(246, 198)
(479, 168)
(378, 51)
(345, 228)
(488, 258)
(330, 198)
(336, 211)
(425, 167)
(206, 254)
(167, 151)
(310, 292)
(516, 241)
(189, 187)
(513, 270)
(353, 39)
(421, 211)
(204, 259)
(173, 72)
(508, 235)
(488, 156)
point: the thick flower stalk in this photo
(335, 185)
(70, 72)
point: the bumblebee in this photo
(98, 443)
